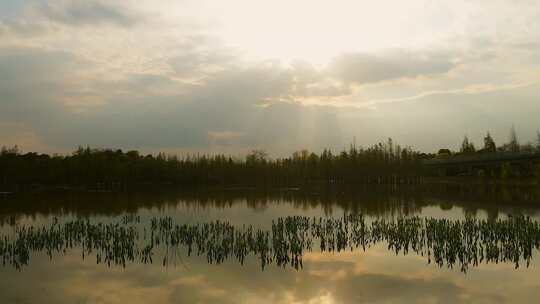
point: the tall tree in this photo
(489, 143)
(513, 143)
(467, 146)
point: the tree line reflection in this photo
(369, 200)
(447, 243)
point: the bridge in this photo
(487, 163)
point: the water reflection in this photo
(377, 201)
(376, 274)
(465, 243)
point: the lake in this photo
(422, 244)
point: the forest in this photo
(382, 163)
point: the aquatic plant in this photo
(464, 243)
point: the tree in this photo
(466, 146)
(489, 143)
(256, 156)
(513, 143)
(528, 147)
(444, 152)
(14, 151)
(538, 141)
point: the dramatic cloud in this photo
(200, 76)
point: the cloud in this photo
(30, 83)
(22, 28)
(470, 90)
(87, 12)
(28, 67)
(157, 112)
(235, 109)
(440, 121)
(362, 68)
(336, 280)
(201, 62)
(224, 137)
(173, 86)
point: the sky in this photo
(189, 76)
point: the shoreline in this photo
(310, 186)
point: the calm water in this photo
(375, 274)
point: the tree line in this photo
(382, 163)
(109, 168)
(489, 145)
